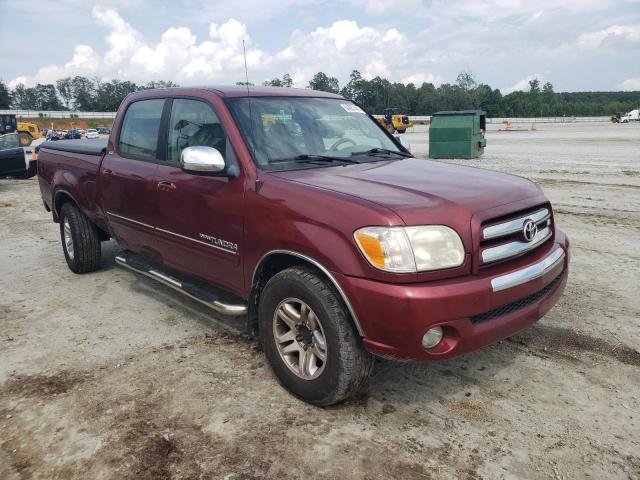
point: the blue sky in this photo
(575, 44)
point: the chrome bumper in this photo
(529, 273)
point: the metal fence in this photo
(60, 114)
(413, 118)
(427, 119)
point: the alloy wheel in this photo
(300, 338)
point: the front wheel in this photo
(309, 340)
(80, 240)
(25, 139)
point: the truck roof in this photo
(241, 91)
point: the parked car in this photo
(92, 133)
(104, 130)
(12, 158)
(73, 135)
(297, 211)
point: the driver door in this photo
(200, 216)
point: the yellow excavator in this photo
(394, 122)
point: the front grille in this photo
(502, 239)
(517, 305)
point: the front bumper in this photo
(474, 311)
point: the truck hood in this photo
(421, 191)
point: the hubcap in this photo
(68, 239)
(300, 338)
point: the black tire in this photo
(25, 139)
(402, 131)
(86, 240)
(348, 365)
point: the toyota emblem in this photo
(529, 230)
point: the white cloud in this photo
(122, 39)
(180, 56)
(630, 84)
(420, 78)
(499, 40)
(628, 33)
(523, 85)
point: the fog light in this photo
(432, 337)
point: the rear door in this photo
(200, 216)
(127, 177)
(12, 160)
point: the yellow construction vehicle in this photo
(394, 122)
(27, 131)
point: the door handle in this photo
(166, 186)
(107, 171)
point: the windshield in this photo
(283, 132)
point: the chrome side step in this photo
(198, 291)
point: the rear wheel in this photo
(390, 128)
(402, 131)
(80, 240)
(309, 340)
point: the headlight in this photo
(411, 249)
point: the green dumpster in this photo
(457, 134)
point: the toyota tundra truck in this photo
(296, 211)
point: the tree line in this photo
(73, 93)
(540, 100)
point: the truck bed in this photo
(97, 146)
(78, 162)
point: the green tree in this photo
(24, 98)
(84, 93)
(5, 97)
(47, 97)
(466, 81)
(321, 81)
(160, 84)
(285, 81)
(109, 95)
(64, 89)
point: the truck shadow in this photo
(460, 381)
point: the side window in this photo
(8, 141)
(140, 127)
(193, 123)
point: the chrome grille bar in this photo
(506, 250)
(529, 273)
(514, 226)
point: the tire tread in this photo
(356, 361)
(86, 240)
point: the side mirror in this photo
(403, 141)
(202, 160)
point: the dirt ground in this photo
(111, 376)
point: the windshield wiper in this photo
(313, 158)
(373, 151)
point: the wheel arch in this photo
(275, 261)
(60, 197)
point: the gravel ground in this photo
(111, 376)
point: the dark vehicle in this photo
(103, 130)
(73, 135)
(12, 158)
(297, 211)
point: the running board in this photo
(197, 290)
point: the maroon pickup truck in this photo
(296, 210)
